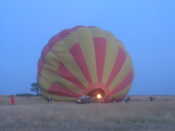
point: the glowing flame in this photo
(99, 96)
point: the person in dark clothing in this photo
(127, 99)
(50, 100)
(151, 98)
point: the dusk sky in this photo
(146, 27)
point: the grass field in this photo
(141, 115)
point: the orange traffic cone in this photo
(0, 99)
(12, 100)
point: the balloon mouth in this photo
(97, 94)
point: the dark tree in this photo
(35, 87)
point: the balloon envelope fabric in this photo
(77, 61)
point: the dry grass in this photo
(136, 115)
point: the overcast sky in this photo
(147, 28)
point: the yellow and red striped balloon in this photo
(79, 60)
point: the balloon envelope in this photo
(84, 61)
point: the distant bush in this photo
(25, 94)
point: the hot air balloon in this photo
(84, 61)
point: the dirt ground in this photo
(35, 114)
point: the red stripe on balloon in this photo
(100, 52)
(120, 59)
(79, 58)
(58, 37)
(126, 82)
(55, 39)
(58, 90)
(66, 74)
(77, 27)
